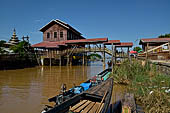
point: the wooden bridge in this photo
(69, 48)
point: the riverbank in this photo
(16, 61)
(150, 87)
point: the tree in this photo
(137, 48)
(95, 56)
(2, 42)
(22, 48)
(164, 36)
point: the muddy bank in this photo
(16, 62)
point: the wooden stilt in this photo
(115, 54)
(84, 56)
(147, 51)
(112, 58)
(169, 47)
(68, 60)
(83, 59)
(42, 61)
(103, 55)
(50, 57)
(60, 62)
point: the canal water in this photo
(27, 90)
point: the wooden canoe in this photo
(94, 100)
(65, 95)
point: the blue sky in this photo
(126, 20)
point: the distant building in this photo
(14, 39)
(152, 42)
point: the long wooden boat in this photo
(66, 94)
(94, 100)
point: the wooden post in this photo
(50, 56)
(128, 103)
(147, 51)
(169, 47)
(128, 55)
(112, 58)
(103, 55)
(68, 60)
(71, 60)
(60, 62)
(84, 57)
(42, 61)
(115, 54)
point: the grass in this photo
(147, 83)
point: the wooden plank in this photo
(128, 103)
(93, 110)
(88, 108)
(101, 104)
(77, 105)
(100, 108)
(82, 107)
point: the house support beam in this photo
(146, 57)
(42, 61)
(112, 57)
(50, 56)
(103, 55)
(68, 60)
(169, 47)
(115, 54)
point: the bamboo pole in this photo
(112, 58)
(115, 54)
(84, 57)
(103, 55)
(147, 51)
(169, 47)
(50, 57)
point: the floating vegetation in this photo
(151, 88)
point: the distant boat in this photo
(96, 99)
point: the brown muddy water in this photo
(27, 90)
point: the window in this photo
(68, 35)
(55, 34)
(61, 34)
(48, 35)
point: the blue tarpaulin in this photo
(86, 86)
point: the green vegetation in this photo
(149, 86)
(138, 49)
(94, 56)
(2, 43)
(21, 48)
(164, 36)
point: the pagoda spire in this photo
(14, 38)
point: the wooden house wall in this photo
(51, 30)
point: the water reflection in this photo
(27, 90)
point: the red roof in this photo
(146, 40)
(48, 44)
(112, 41)
(86, 41)
(125, 44)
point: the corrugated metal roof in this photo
(48, 44)
(86, 41)
(146, 40)
(109, 42)
(125, 44)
